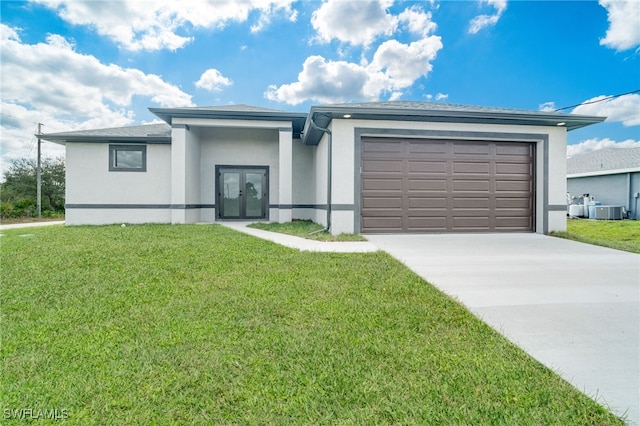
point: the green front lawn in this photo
(193, 324)
(617, 234)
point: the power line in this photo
(31, 142)
(598, 100)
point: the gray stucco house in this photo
(380, 167)
(611, 175)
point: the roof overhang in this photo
(322, 116)
(297, 119)
(63, 139)
(604, 173)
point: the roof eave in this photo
(603, 172)
(569, 121)
(64, 139)
(296, 118)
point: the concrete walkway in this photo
(31, 224)
(572, 306)
(303, 244)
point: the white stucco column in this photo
(178, 175)
(285, 162)
(185, 175)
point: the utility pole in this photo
(39, 175)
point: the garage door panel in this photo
(471, 167)
(513, 185)
(421, 147)
(471, 148)
(387, 148)
(382, 202)
(513, 223)
(511, 212)
(427, 202)
(513, 168)
(433, 212)
(517, 149)
(471, 185)
(386, 166)
(470, 203)
(416, 166)
(382, 224)
(479, 212)
(467, 223)
(515, 202)
(432, 224)
(382, 184)
(439, 186)
(428, 185)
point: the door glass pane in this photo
(253, 194)
(231, 194)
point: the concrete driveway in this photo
(572, 306)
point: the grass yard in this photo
(302, 228)
(191, 324)
(616, 234)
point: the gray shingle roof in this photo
(604, 160)
(438, 106)
(133, 132)
(429, 106)
(233, 108)
(322, 115)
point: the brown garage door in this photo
(418, 185)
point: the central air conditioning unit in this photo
(609, 212)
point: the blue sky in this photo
(75, 65)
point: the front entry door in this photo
(242, 192)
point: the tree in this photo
(18, 190)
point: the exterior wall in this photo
(96, 196)
(185, 177)
(610, 190)
(236, 147)
(320, 174)
(303, 181)
(550, 173)
(554, 166)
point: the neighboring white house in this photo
(610, 175)
(358, 167)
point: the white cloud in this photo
(483, 21)
(353, 22)
(547, 107)
(418, 21)
(624, 24)
(213, 80)
(402, 64)
(323, 81)
(395, 66)
(143, 25)
(441, 96)
(625, 109)
(53, 84)
(595, 144)
(367, 21)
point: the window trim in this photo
(112, 156)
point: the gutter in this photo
(329, 170)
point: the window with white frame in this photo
(127, 158)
